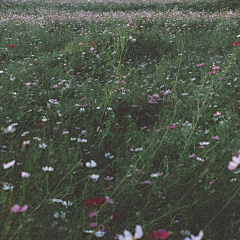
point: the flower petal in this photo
(16, 208)
(139, 232)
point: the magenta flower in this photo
(159, 234)
(94, 224)
(215, 68)
(172, 127)
(232, 165)
(92, 214)
(16, 208)
(217, 138)
(109, 200)
(217, 114)
(200, 64)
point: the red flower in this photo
(35, 63)
(89, 202)
(93, 43)
(159, 234)
(39, 125)
(235, 43)
(13, 45)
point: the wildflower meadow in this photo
(120, 119)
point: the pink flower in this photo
(192, 156)
(200, 64)
(215, 68)
(16, 208)
(25, 175)
(172, 127)
(211, 182)
(217, 138)
(92, 214)
(217, 114)
(159, 234)
(201, 147)
(94, 224)
(109, 200)
(232, 165)
(212, 72)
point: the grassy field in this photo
(120, 115)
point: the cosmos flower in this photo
(109, 200)
(91, 164)
(25, 175)
(92, 214)
(159, 234)
(95, 177)
(90, 202)
(200, 64)
(128, 236)
(171, 127)
(16, 208)
(8, 165)
(9, 129)
(232, 165)
(217, 114)
(198, 237)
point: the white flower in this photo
(198, 237)
(128, 236)
(53, 101)
(25, 175)
(9, 164)
(42, 145)
(47, 169)
(91, 164)
(10, 129)
(157, 174)
(25, 133)
(25, 143)
(204, 143)
(7, 186)
(82, 140)
(200, 159)
(95, 177)
(107, 154)
(237, 36)
(138, 149)
(1, 71)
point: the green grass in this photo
(102, 70)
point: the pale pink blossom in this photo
(232, 165)
(92, 214)
(217, 138)
(217, 114)
(25, 175)
(16, 208)
(109, 200)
